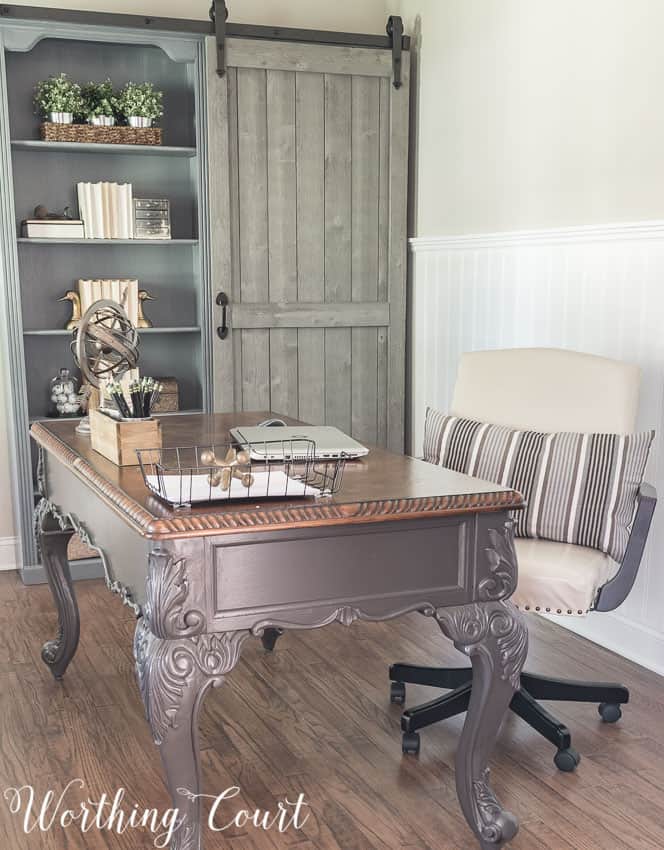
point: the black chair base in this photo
(458, 680)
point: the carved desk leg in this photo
(174, 675)
(54, 538)
(495, 637)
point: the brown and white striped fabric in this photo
(579, 488)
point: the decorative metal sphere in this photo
(105, 343)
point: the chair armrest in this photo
(614, 592)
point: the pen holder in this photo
(118, 440)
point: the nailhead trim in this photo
(548, 610)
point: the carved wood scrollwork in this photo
(494, 635)
(165, 669)
(346, 615)
(167, 590)
(494, 625)
(501, 581)
(68, 522)
(489, 810)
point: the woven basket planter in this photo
(100, 135)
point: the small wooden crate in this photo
(118, 441)
(169, 400)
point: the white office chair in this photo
(547, 390)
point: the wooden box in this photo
(118, 441)
(169, 400)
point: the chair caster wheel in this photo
(397, 693)
(410, 743)
(609, 712)
(567, 760)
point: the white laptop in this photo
(277, 442)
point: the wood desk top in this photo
(382, 486)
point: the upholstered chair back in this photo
(547, 389)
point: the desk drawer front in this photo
(379, 572)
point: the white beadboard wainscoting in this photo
(593, 289)
(8, 553)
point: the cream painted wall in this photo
(538, 114)
(349, 15)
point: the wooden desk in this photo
(400, 536)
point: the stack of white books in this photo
(107, 210)
(124, 292)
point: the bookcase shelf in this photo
(174, 355)
(153, 243)
(63, 332)
(103, 149)
(186, 412)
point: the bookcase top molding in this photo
(21, 36)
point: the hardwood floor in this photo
(314, 717)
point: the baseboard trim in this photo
(90, 568)
(8, 553)
(549, 236)
(634, 641)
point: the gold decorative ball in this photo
(208, 458)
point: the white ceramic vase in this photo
(102, 120)
(61, 117)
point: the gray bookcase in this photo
(36, 272)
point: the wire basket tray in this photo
(271, 469)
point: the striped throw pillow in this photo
(579, 488)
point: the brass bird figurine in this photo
(75, 309)
(143, 321)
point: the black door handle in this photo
(222, 301)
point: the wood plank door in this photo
(308, 179)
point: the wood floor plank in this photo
(314, 718)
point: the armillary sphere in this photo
(105, 343)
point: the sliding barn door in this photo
(308, 177)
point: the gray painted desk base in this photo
(205, 596)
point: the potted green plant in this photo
(140, 104)
(100, 103)
(58, 99)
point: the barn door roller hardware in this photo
(217, 26)
(219, 16)
(395, 32)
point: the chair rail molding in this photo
(548, 236)
(594, 288)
